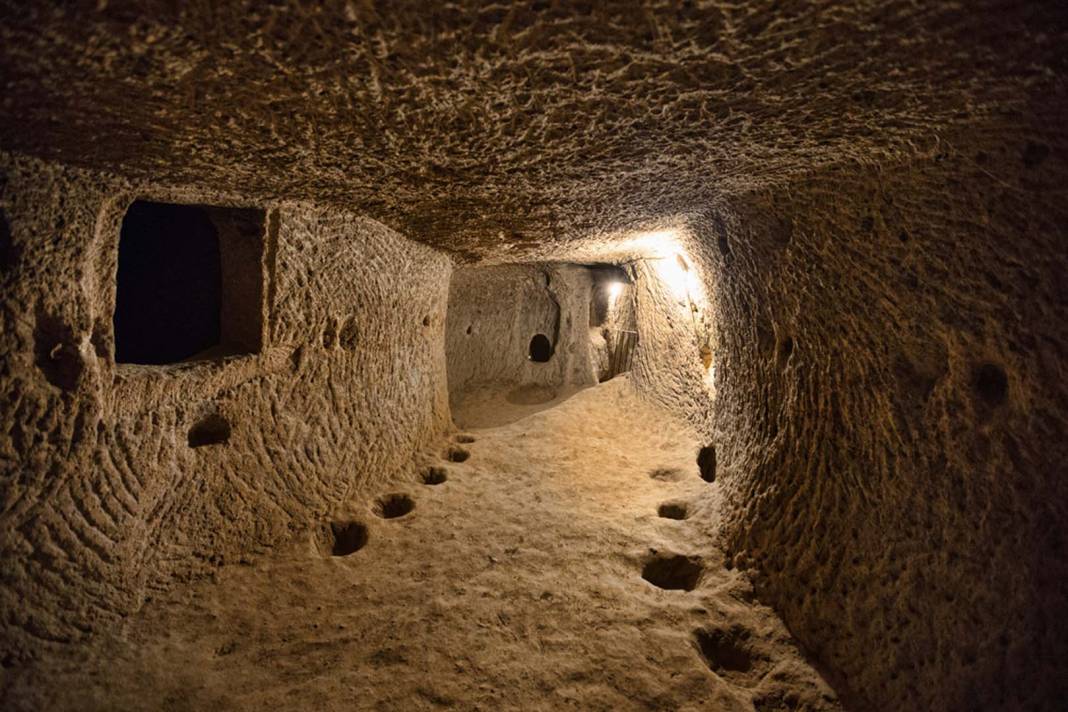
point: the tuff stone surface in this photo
(871, 196)
(512, 127)
(494, 312)
(109, 485)
(889, 418)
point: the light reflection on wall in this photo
(664, 252)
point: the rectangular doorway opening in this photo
(189, 283)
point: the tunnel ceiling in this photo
(484, 128)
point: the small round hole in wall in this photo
(706, 463)
(7, 249)
(541, 349)
(209, 430)
(786, 347)
(56, 352)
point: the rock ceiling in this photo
(479, 126)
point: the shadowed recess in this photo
(457, 454)
(541, 349)
(673, 510)
(7, 247)
(991, 384)
(724, 650)
(168, 296)
(212, 429)
(673, 572)
(344, 538)
(706, 463)
(393, 506)
(434, 475)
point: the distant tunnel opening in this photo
(525, 337)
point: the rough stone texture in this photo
(493, 314)
(872, 193)
(100, 492)
(668, 366)
(514, 125)
(515, 585)
(890, 419)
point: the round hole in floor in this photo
(541, 349)
(465, 438)
(457, 454)
(426, 320)
(343, 538)
(392, 506)
(724, 650)
(434, 475)
(673, 572)
(673, 510)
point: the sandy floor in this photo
(491, 406)
(515, 584)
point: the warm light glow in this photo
(650, 245)
(663, 251)
(675, 271)
(614, 289)
(710, 377)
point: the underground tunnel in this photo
(658, 355)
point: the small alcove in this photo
(189, 284)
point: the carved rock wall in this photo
(889, 417)
(101, 493)
(494, 312)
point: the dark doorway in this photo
(189, 283)
(541, 349)
(169, 292)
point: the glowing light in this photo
(676, 273)
(710, 377)
(650, 245)
(614, 289)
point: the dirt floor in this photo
(490, 406)
(516, 583)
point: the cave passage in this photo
(477, 580)
(525, 337)
(534, 355)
